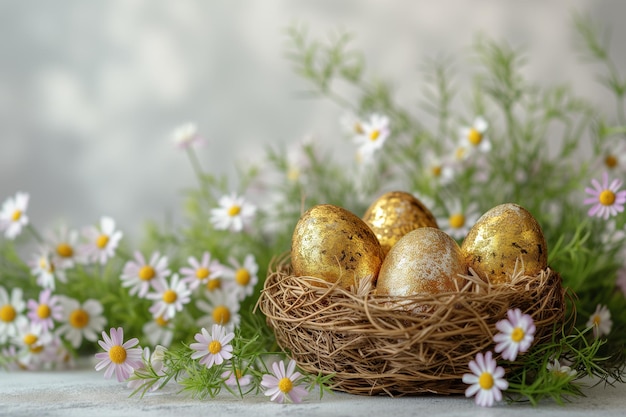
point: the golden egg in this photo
(334, 244)
(394, 214)
(424, 261)
(501, 236)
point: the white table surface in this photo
(84, 392)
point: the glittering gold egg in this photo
(334, 244)
(424, 261)
(394, 214)
(501, 236)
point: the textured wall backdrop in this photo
(90, 91)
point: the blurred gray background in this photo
(90, 91)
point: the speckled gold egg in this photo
(501, 236)
(334, 244)
(394, 214)
(424, 261)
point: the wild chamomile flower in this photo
(236, 378)
(81, 320)
(439, 169)
(516, 334)
(282, 385)
(222, 308)
(46, 271)
(155, 360)
(64, 247)
(214, 348)
(234, 213)
(351, 124)
(13, 215)
(607, 199)
(186, 135)
(202, 271)
(159, 331)
(561, 371)
(613, 157)
(243, 275)
(121, 358)
(140, 275)
(170, 298)
(621, 280)
(473, 137)
(486, 380)
(458, 220)
(374, 134)
(31, 340)
(11, 313)
(600, 321)
(45, 310)
(102, 241)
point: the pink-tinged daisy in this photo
(600, 321)
(64, 247)
(486, 380)
(45, 310)
(458, 220)
(9, 354)
(169, 298)
(13, 215)
(11, 313)
(282, 385)
(373, 137)
(121, 358)
(200, 272)
(46, 271)
(621, 280)
(243, 275)
(156, 362)
(516, 334)
(102, 241)
(473, 137)
(81, 320)
(222, 308)
(607, 199)
(236, 378)
(559, 370)
(140, 275)
(234, 213)
(186, 135)
(159, 331)
(214, 348)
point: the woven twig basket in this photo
(375, 345)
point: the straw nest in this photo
(384, 345)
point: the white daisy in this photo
(214, 348)
(46, 271)
(81, 320)
(486, 380)
(600, 321)
(159, 331)
(169, 298)
(222, 308)
(244, 276)
(121, 358)
(234, 213)
(458, 220)
(282, 385)
(156, 363)
(375, 134)
(102, 241)
(11, 313)
(201, 272)
(13, 215)
(613, 157)
(561, 371)
(31, 340)
(64, 247)
(439, 169)
(516, 334)
(473, 137)
(140, 275)
(186, 135)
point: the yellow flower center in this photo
(610, 161)
(238, 373)
(214, 284)
(16, 215)
(596, 320)
(234, 210)
(607, 197)
(30, 339)
(215, 347)
(35, 349)
(285, 385)
(64, 250)
(242, 276)
(485, 380)
(221, 315)
(79, 318)
(457, 221)
(202, 273)
(374, 134)
(43, 311)
(7, 313)
(293, 173)
(358, 128)
(474, 137)
(101, 241)
(46, 265)
(161, 321)
(146, 273)
(117, 354)
(517, 335)
(436, 170)
(170, 296)
(459, 154)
